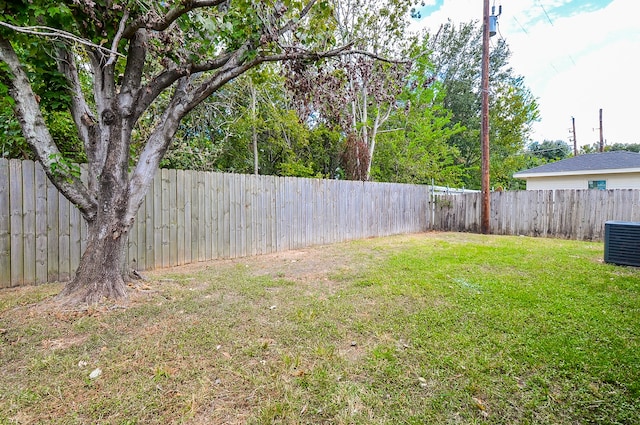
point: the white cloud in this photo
(575, 65)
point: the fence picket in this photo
(5, 225)
(188, 212)
(15, 207)
(29, 222)
(173, 216)
(64, 238)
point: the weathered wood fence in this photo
(570, 214)
(193, 216)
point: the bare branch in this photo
(42, 31)
(85, 121)
(117, 38)
(161, 24)
(166, 78)
(292, 24)
(296, 53)
(37, 134)
(234, 68)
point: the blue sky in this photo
(575, 56)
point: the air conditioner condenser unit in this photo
(622, 243)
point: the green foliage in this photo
(595, 147)
(39, 57)
(218, 135)
(415, 144)
(61, 127)
(49, 85)
(457, 54)
(61, 166)
(64, 133)
(511, 114)
(550, 151)
(12, 144)
(630, 147)
(324, 148)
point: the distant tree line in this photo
(630, 147)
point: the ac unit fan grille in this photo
(622, 243)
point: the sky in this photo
(576, 57)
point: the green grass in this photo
(421, 329)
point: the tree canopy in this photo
(356, 99)
(550, 151)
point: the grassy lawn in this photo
(436, 328)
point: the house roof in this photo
(592, 163)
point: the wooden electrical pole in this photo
(486, 200)
(601, 138)
(575, 144)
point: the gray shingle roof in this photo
(615, 160)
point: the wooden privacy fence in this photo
(570, 214)
(191, 216)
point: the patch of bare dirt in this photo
(314, 263)
(315, 266)
(62, 343)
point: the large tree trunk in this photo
(100, 274)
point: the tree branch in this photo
(42, 31)
(117, 38)
(37, 134)
(85, 120)
(161, 24)
(133, 73)
(169, 76)
(155, 148)
(103, 93)
(292, 24)
(297, 53)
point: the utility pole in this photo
(486, 199)
(601, 137)
(575, 144)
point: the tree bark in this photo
(254, 130)
(100, 274)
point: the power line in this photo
(545, 12)
(520, 25)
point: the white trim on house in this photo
(619, 169)
(581, 181)
(523, 175)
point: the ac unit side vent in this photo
(622, 243)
